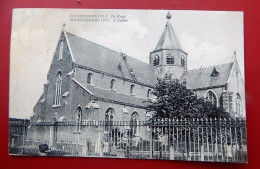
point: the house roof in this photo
(202, 77)
(168, 39)
(98, 57)
(114, 96)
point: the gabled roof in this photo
(98, 57)
(168, 39)
(202, 77)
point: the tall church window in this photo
(238, 104)
(211, 98)
(132, 89)
(112, 84)
(89, 78)
(109, 119)
(183, 61)
(79, 118)
(134, 128)
(61, 50)
(149, 93)
(169, 58)
(57, 96)
(156, 60)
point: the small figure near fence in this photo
(43, 148)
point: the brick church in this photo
(87, 81)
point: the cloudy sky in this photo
(208, 37)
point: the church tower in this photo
(168, 56)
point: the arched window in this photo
(79, 118)
(156, 60)
(57, 96)
(149, 93)
(112, 84)
(183, 61)
(89, 79)
(211, 97)
(238, 101)
(61, 50)
(134, 128)
(169, 58)
(132, 89)
(109, 119)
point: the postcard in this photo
(140, 84)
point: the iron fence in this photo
(173, 139)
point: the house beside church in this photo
(89, 82)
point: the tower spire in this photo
(168, 39)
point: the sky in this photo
(209, 38)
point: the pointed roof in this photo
(168, 38)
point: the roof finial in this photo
(234, 56)
(168, 16)
(63, 26)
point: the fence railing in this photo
(174, 139)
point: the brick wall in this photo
(104, 81)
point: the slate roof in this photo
(98, 57)
(168, 39)
(114, 96)
(201, 78)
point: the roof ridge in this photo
(107, 48)
(211, 66)
(93, 42)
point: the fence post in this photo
(189, 141)
(207, 131)
(241, 135)
(24, 132)
(182, 149)
(231, 139)
(177, 137)
(199, 152)
(186, 145)
(202, 142)
(211, 138)
(221, 141)
(216, 141)
(194, 139)
(226, 138)
(173, 142)
(151, 139)
(236, 156)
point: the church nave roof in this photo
(92, 55)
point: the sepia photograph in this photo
(138, 84)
